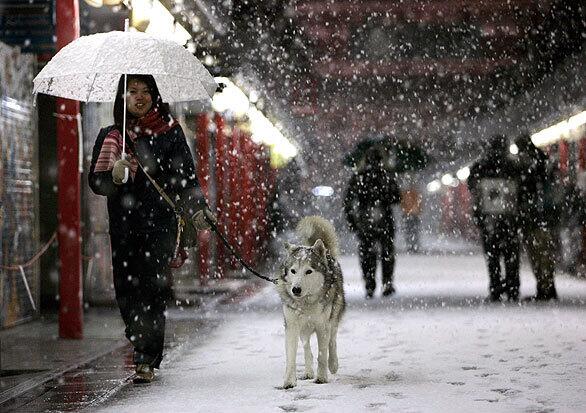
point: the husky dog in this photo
(311, 288)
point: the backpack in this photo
(498, 196)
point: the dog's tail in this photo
(312, 228)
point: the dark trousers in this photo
(501, 241)
(411, 223)
(368, 253)
(540, 249)
(142, 284)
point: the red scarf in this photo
(151, 124)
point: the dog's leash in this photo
(210, 222)
(215, 228)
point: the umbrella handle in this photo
(126, 23)
(124, 121)
(126, 171)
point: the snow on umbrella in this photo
(89, 68)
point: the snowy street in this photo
(434, 347)
(159, 157)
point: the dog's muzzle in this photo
(296, 291)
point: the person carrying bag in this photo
(144, 228)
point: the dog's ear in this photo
(319, 248)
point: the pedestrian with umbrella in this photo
(143, 149)
(370, 196)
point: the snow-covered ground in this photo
(434, 347)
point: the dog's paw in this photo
(289, 384)
(333, 365)
(321, 380)
(307, 376)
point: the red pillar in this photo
(564, 158)
(248, 229)
(582, 169)
(582, 154)
(69, 215)
(234, 206)
(221, 190)
(203, 175)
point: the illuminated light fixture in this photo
(263, 131)
(569, 129)
(323, 191)
(449, 180)
(577, 121)
(141, 14)
(514, 149)
(95, 3)
(209, 60)
(100, 3)
(163, 24)
(180, 34)
(434, 186)
(253, 96)
(233, 99)
(463, 173)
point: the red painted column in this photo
(582, 169)
(266, 170)
(564, 158)
(236, 193)
(69, 215)
(203, 175)
(248, 221)
(582, 154)
(221, 185)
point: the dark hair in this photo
(155, 95)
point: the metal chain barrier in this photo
(17, 267)
(20, 267)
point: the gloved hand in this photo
(118, 171)
(199, 219)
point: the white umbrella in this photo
(89, 69)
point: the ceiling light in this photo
(95, 3)
(434, 186)
(463, 173)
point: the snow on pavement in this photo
(434, 347)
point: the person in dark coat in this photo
(537, 215)
(494, 185)
(143, 227)
(368, 203)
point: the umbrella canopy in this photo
(404, 155)
(89, 68)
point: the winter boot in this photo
(388, 290)
(144, 374)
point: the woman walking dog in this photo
(143, 227)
